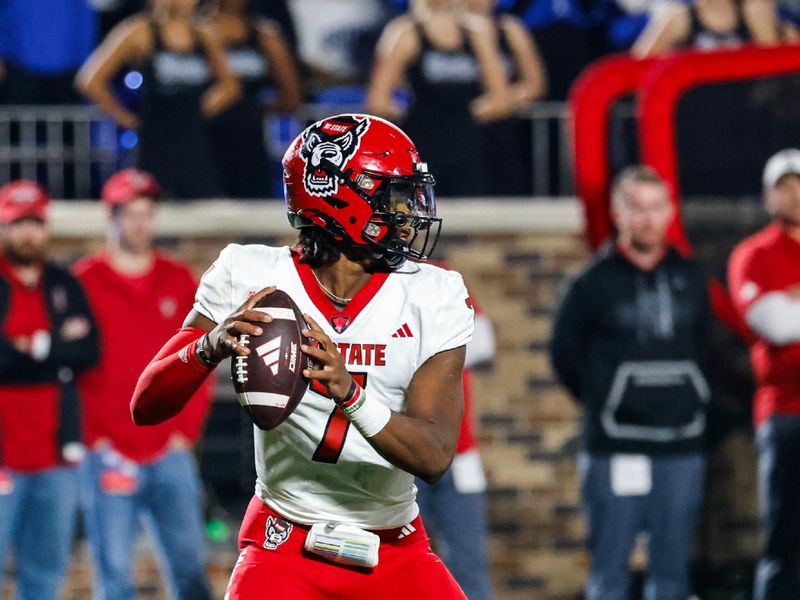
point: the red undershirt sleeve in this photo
(170, 380)
(193, 418)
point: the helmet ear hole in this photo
(353, 220)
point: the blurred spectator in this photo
(509, 140)
(276, 11)
(111, 12)
(139, 297)
(566, 36)
(336, 46)
(624, 20)
(627, 342)
(42, 45)
(456, 74)
(185, 80)
(764, 279)
(258, 55)
(789, 15)
(709, 25)
(47, 331)
(520, 56)
(454, 508)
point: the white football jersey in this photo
(315, 466)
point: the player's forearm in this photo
(421, 445)
(422, 439)
(170, 380)
(421, 448)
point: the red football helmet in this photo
(361, 179)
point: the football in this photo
(269, 382)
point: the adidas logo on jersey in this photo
(406, 531)
(403, 332)
(270, 353)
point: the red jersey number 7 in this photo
(335, 435)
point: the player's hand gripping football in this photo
(332, 372)
(223, 340)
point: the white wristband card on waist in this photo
(344, 544)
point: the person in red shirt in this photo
(764, 279)
(46, 333)
(139, 297)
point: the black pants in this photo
(779, 481)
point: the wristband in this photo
(352, 395)
(200, 352)
(368, 415)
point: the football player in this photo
(334, 513)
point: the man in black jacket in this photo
(46, 332)
(628, 342)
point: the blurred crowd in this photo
(193, 79)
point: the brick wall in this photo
(527, 424)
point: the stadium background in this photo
(516, 253)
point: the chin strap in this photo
(394, 254)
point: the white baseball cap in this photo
(783, 163)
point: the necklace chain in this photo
(331, 295)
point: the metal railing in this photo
(74, 149)
(550, 149)
(68, 148)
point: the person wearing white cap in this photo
(764, 279)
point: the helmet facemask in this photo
(404, 223)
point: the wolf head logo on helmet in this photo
(336, 142)
(360, 178)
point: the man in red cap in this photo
(140, 297)
(46, 332)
